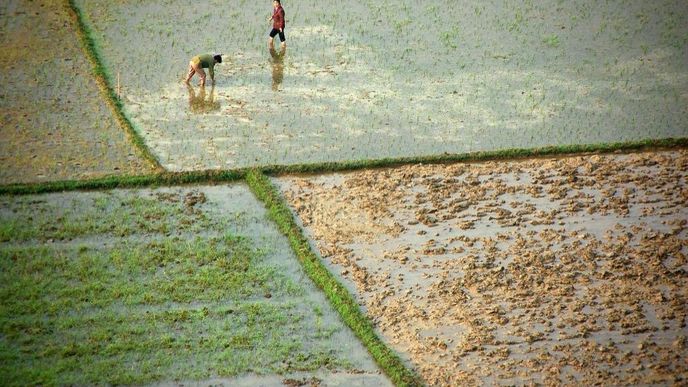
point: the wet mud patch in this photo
(170, 284)
(55, 125)
(297, 379)
(380, 79)
(556, 271)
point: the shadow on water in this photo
(277, 62)
(199, 104)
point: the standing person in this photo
(200, 62)
(278, 24)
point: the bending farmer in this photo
(278, 23)
(200, 62)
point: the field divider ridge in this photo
(100, 74)
(216, 176)
(163, 179)
(338, 296)
(478, 156)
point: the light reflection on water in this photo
(370, 89)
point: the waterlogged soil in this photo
(297, 379)
(370, 79)
(549, 271)
(161, 286)
(55, 125)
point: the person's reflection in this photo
(277, 66)
(198, 103)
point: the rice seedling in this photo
(551, 40)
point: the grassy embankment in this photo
(339, 297)
(224, 176)
(104, 81)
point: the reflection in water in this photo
(277, 66)
(199, 104)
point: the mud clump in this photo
(193, 198)
(309, 382)
(551, 271)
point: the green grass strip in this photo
(223, 176)
(101, 76)
(339, 297)
(506, 154)
(111, 182)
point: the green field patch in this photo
(218, 296)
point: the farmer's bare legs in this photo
(196, 69)
(271, 43)
(192, 71)
(201, 73)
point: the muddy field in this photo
(55, 125)
(373, 79)
(162, 286)
(555, 271)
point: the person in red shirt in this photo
(278, 24)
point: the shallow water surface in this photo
(55, 123)
(374, 79)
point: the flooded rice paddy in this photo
(55, 124)
(163, 285)
(370, 79)
(554, 271)
(551, 271)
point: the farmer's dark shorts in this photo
(275, 31)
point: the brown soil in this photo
(55, 125)
(566, 271)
